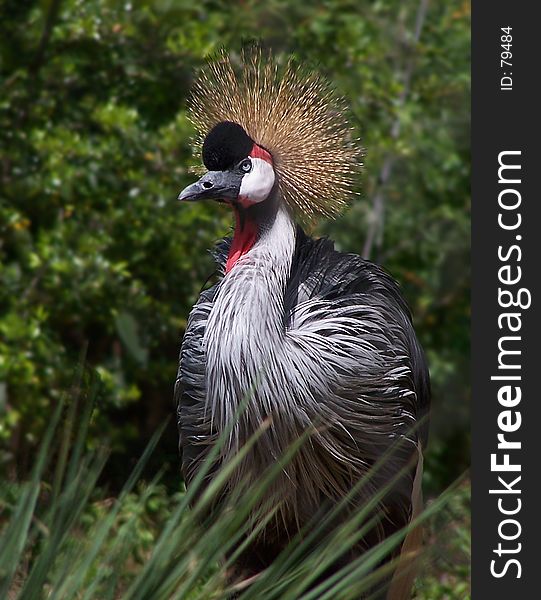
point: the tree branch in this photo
(50, 21)
(375, 231)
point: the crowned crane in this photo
(313, 338)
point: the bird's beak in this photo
(215, 185)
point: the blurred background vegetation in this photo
(96, 253)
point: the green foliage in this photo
(446, 572)
(60, 538)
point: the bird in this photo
(310, 338)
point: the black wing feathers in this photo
(320, 270)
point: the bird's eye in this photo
(246, 165)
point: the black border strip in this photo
(505, 118)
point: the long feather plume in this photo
(296, 117)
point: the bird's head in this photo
(240, 172)
(272, 135)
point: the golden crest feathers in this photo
(296, 117)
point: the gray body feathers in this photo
(315, 337)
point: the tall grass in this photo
(59, 538)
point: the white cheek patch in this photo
(257, 184)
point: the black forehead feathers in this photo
(225, 145)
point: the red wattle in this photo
(243, 240)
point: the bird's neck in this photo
(244, 239)
(259, 264)
(253, 225)
(245, 329)
(257, 270)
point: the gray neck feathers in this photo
(245, 331)
(300, 378)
